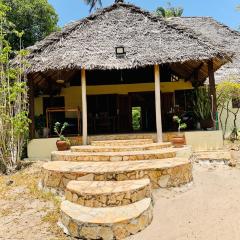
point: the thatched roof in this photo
(90, 43)
(221, 36)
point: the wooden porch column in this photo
(84, 108)
(158, 103)
(31, 108)
(212, 88)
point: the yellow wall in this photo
(72, 95)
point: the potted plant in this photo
(202, 108)
(179, 139)
(63, 143)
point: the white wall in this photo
(230, 120)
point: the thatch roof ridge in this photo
(68, 28)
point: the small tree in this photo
(181, 125)
(13, 99)
(227, 91)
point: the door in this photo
(123, 113)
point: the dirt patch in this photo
(25, 211)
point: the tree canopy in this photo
(169, 11)
(36, 18)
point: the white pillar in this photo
(158, 103)
(84, 108)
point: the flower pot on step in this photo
(62, 145)
(178, 141)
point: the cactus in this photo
(202, 104)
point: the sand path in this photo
(208, 210)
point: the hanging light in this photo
(60, 80)
(121, 79)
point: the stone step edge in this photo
(114, 156)
(142, 147)
(106, 223)
(120, 142)
(113, 195)
(162, 173)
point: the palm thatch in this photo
(90, 43)
(221, 36)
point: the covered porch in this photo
(97, 102)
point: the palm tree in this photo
(93, 4)
(169, 11)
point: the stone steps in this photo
(107, 194)
(128, 142)
(162, 173)
(106, 223)
(114, 156)
(142, 147)
(216, 156)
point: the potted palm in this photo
(63, 143)
(179, 139)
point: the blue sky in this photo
(222, 10)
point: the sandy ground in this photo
(25, 211)
(209, 209)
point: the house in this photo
(97, 70)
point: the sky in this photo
(222, 10)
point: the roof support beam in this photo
(84, 108)
(195, 72)
(212, 88)
(158, 103)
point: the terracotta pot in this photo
(206, 123)
(62, 145)
(178, 141)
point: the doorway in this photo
(136, 119)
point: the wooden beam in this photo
(212, 88)
(84, 108)
(195, 71)
(158, 103)
(31, 108)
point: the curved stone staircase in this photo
(108, 185)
